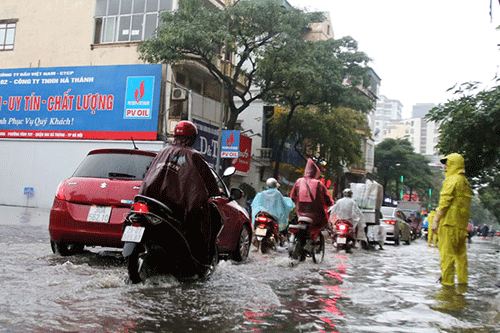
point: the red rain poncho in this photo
(312, 197)
(180, 178)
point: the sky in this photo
(420, 49)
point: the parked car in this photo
(396, 227)
(90, 207)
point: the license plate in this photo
(99, 214)
(133, 234)
(341, 240)
(260, 231)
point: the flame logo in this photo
(230, 140)
(139, 93)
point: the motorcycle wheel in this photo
(210, 269)
(319, 249)
(136, 266)
(297, 247)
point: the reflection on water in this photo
(393, 290)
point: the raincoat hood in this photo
(455, 164)
(311, 171)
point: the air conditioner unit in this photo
(178, 94)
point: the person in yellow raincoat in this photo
(431, 236)
(451, 221)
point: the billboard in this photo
(87, 102)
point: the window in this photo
(127, 20)
(7, 34)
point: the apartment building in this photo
(387, 110)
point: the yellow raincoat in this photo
(431, 236)
(453, 217)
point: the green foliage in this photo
(396, 158)
(470, 126)
(251, 30)
(329, 134)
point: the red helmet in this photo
(185, 128)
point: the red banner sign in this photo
(242, 163)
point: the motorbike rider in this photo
(312, 199)
(273, 202)
(347, 209)
(180, 177)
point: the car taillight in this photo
(391, 222)
(61, 191)
(140, 207)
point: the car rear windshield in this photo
(112, 165)
(387, 211)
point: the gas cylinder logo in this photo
(139, 97)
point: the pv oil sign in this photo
(139, 97)
(86, 102)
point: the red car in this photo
(91, 205)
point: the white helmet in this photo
(272, 183)
(347, 192)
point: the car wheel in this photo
(243, 245)
(66, 249)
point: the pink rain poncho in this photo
(312, 197)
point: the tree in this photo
(395, 158)
(470, 126)
(250, 29)
(308, 74)
(328, 134)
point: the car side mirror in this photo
(236, 193)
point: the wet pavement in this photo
(393, 290)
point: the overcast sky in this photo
(419, 49)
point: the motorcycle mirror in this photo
(229, 171)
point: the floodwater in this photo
(393, 290)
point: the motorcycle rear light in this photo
(292, 231)
(140, 207)
(391, 222)
(261, 219)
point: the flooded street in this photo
(393, 290)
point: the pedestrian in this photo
(452, 219)
(432, 237)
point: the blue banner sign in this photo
(230, 145)
(88, 102)
(207, 141)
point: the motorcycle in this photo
(344, 235)
(301, 245)
(155, 244)
(266, 234)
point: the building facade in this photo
(387, 110)
(43, 46)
